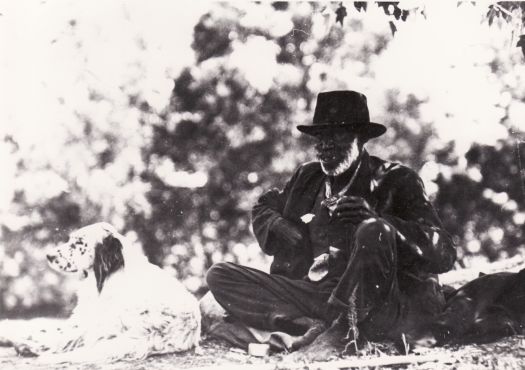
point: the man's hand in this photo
(288, 232)
(354, 210)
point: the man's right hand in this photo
(288, 233)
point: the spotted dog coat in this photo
(127, 307)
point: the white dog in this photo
(127, 307)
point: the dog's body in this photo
(127, 307)
(485, 309)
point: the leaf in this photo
(393, 27)
(384, 5)
(461, 2)
(397, 12)
(341, 14)
(491, 9)
(491, 19)
(521, 42)
(360, 5)
(492, 13)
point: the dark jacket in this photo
(394, 191)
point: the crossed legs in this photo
(277, 303)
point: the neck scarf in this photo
(330, 201)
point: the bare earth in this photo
(504, 354)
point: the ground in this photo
(505, 354)
(508, 353)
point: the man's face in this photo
(336, 149)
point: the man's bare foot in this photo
(316, 328)
(328, 344)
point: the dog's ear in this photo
(108, 259)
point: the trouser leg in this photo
(369, 284)
(264, 301)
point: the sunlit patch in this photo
(307, 218)
(369, 221)
(435, 238)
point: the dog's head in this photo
(95, 247)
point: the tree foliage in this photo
(180, 174)
(509, 11)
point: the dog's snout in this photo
(51, 258)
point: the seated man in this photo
(355, 240)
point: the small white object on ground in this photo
(258, 349)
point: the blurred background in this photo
(168, 119)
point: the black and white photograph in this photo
(262, 185)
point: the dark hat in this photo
(345, 109)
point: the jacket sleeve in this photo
(418, 225)
(266, 212)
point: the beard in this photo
(344, 165)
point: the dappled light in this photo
(169, 121)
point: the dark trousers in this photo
(275, 303)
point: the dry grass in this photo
(504, 354)
(508, 353)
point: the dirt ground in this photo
(504, 354)
(508, 353)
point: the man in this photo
(354, 238)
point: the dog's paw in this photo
(427, 341)
(25, 350)
(420, 343)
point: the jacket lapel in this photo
(361, 185)
(304, 193)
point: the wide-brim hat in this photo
(343, 109)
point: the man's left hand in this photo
(354, 210)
